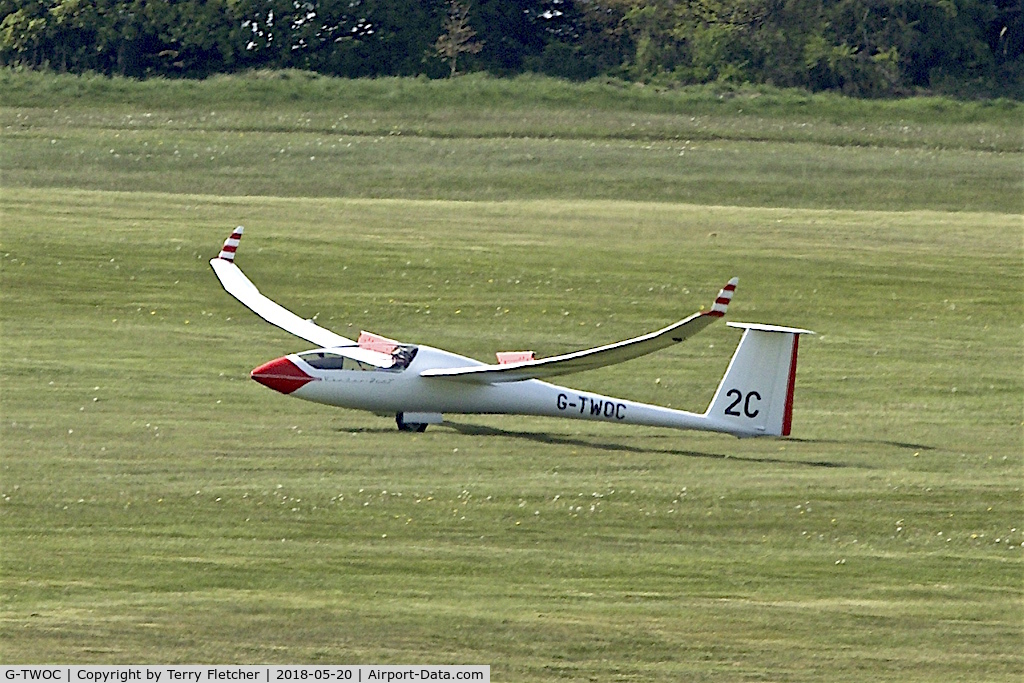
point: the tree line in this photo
(866, 48)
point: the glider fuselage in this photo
(403, 390)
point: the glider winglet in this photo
(723, 299)
(590, 359)
(227, 252)
(239, 286)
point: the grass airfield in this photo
(158, 506)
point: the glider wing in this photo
(240, 287)
(589, 359)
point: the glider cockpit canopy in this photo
(360, 359)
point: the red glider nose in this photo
(281, 375)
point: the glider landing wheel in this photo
(404, 426)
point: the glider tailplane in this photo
(755, 397)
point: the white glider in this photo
(419, 384)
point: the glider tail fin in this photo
(755, 397)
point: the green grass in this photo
(157, 506)
(488, 139)
(291, 90)
(304, 164)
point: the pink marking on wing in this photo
(375, 342)
(506, 357)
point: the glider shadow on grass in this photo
(560, 440)
(872, 442)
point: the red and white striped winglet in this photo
(724, 297)
(227, 252)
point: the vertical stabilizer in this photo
(755, 397)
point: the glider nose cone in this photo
(281, 375)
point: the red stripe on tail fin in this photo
(787, 419)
